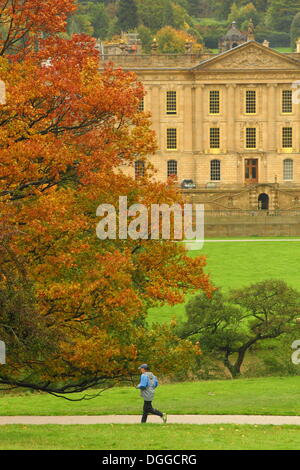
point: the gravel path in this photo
(172, 419)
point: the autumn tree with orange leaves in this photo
(73, 308)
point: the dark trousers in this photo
(148, 410)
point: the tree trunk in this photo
(239, 362)
(235, 369)
(229, 365)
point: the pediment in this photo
(250, 56)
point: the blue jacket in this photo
(147, 385)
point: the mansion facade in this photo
(228, 121)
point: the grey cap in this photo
(144, 366)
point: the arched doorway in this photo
(263, 201)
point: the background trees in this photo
(155, 14)
(203, 19)
(243, 15)
(172, 41)
(127, 15)
(228, 326)
(295, 29)
(280, 14)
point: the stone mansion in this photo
(228, 121)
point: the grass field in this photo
(155, 436)
(284, 49)
(235, 265)
(262, 396)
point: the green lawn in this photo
(262, 396)
(235, 265)
(284, 49)
(153, 437)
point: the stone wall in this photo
(136, 61)
(246, 226)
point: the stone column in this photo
(231, 129)
(231, 113)
(296, 126)
(198, 126)
(205, 104)
(272, 138)
(193, 91)
(188, 120)
(271, 144)
(187, 163)
(199, 132)
(155, 112)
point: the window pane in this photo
(214, 102)
(171, 139)
(288, 169)
(250, 102)
(215, 138)
(251, 138)
(172, 168)
(171, 102)
(141, 106)
(287, 137)
(215, 170)
(287, 101)
(139, 167)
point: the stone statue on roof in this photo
(251, 28)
